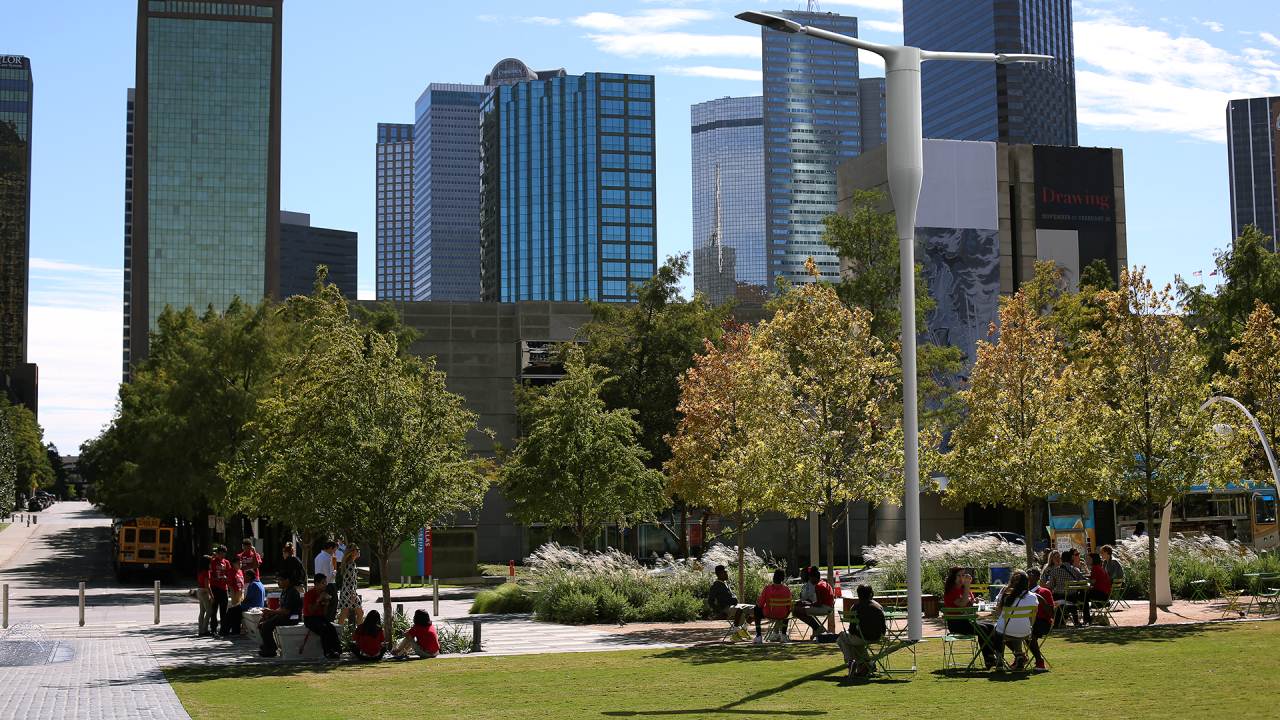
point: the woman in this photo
(367, 641)
(1044, 615)
(1055, 576)
(349, 605)
(421, 639)
(1100, 579)
(956, 594)
(1014, 633)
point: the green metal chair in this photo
(1021, 612)
(1200, 590)
(1103, 608)
(882, 650)
(1269, 594)
(976, 639)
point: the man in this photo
(870, 628)
(723, 601)
(315, 617)
(1114, 569)
(249, 559)
(778, 609)
(289, 613)
(325, 564)
(220, 572)
(816, 599)
(255, 596)
(292, 566)
(203, 595)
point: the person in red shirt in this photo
(315, 616)
(248, 558)
(421, 638)
(956, 594)
(220, 580)
(1100, 583)
(367, 640)
(202, 594)
(779, 609)
(816, 599)
(1044, 615)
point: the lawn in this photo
(1187, 671)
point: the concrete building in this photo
(303, 247)
(1015, 103)
(394, 207)
(206, 191)
(17, 376)
(1253, 164)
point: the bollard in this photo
(157, 615)
(399, 608)
(35, 519)
(475, 636)
(6, 605)
(81, 603)
(511, 571)
(435, 597)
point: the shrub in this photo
(673, 607)
(572, 607)
(454, 638)
(506, 599)
(939, 556)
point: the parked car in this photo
(34, 505)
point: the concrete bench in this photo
(249, 622)
(298, 643)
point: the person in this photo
(779, 592)
(368, 638)
(255, 596)
(1014, 632)
(421, 638)
(315, 617)
(288, 613)
(220, 579)
(1044, 615)
(203, 596)
(956, 594)
(871, 628)
(723, 601)
(1114, 569)
(349, 605)
(325, 565)
(1100, 589)
(816, 598)
(1140, 529)
(1056, 575)
(292, 566)
(235, 585)
(248, 558)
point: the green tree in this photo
(580, 465)
(1254, 364)
(8, 464)
(59, 485)
(31, 460)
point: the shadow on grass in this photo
(735, 707)
(716, 653)
(1130, 635)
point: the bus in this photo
(143, 543)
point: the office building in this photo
(17, 377)
(303, 247)
(567, 207)
(1016, 103)
(128, 229)
(812, 122)
(1253, 164)
(394, 235)
(729, 260)
(206, 155)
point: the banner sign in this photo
(422, 543)
(1075, 190)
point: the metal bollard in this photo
(511, 571)
(35, 519)
(475, 636)
(81, 603)
(157, 615)
(6, 605)
(435, 597)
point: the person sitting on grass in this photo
(956, 594)
(288, 613)
(368, 638)
(723, 601)
(315, 617)
(1013, 633)
(421, 638)
(870, 628)
(780, 609)
(816, 599)
(255, 596)
(1044, 615)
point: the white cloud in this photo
(645, 21)
(678, 45)
(1212, 25)
(712, 71)
(889, 26)
(1270, 39)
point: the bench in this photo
(249, 623)
(298, 643)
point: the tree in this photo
(1254, 363)
(8, 465)
(60, 476)
(1026, 432)
(1146, 372)
(737, 438)
(31, 461)
(580, 465)
(841, 378)
(374, 433)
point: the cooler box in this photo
(273, 600)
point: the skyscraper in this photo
(1253, 163)
(394, 236)
(128, 227)
(568, 188)
(1017, 103)
(812, 122)
(303, 247)
(206, 186)
(16, 89)
(728, 200)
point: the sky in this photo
(1153, 77)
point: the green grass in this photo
(3, 526)
(1209, 671)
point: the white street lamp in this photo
(905, 153)
(1225, 429)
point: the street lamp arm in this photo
(859, 43)
(997, 58)
(1257, 427)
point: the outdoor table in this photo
(897, 599)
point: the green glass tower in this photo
(17, 377)
(206, 158)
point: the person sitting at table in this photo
(1056, 575)
(724, 603)
(956, 594)
(1114, 569)
(1100, 583)
(1044, 615)
(1013, 633)
(871, 628)
(816, 599)
(780, 609)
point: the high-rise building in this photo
(206, 186)
(812, 122)
(128, 227)
(873, 114)
(303, 247)
(1016, 103)
(1253, 163)
(568, 188)
(394, 236)
(17, 377)
(728, 200)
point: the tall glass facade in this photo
(304, 247)
(128, 229)
(394, 237)
(1016, 103)
(16, 90)
(207, 128)
(812, 122)
(728, 200)
(1253, 164)
(568, 189)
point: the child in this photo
(366, 641)
(421, 638)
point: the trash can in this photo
(1000, 574)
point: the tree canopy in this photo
(1254, 379)
(32, 469)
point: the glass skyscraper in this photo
(1017, 103)
(394, 237)
(1253, 164)
(16, 90)
(728, 200)
(304, 247)
(812, 122)
(568, 188)
(206, 191)
(128, 228)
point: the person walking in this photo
(350, 608)
(220, 580)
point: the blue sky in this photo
(1153, 78)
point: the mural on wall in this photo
(962, 267)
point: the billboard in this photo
(1076, 210)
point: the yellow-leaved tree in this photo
(1255, 362)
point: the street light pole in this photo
(905, 161)
(1257, 427)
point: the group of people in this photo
(228, 590)
(776, 603)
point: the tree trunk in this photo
(388, 620)
(831, 563)
(582, 541)
(706, 517)
(1151, 566)
(741, 570)
(871, 523)
(1028, 523)
(683, 540)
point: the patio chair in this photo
(1021, 612)
(1269, 594)
(1200, 590)
(982, 590)
(1233, 606)
(1103, 608)
(779, 627)
(882, 650)
(806, 632)
(976, 639)
(1076, 594)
